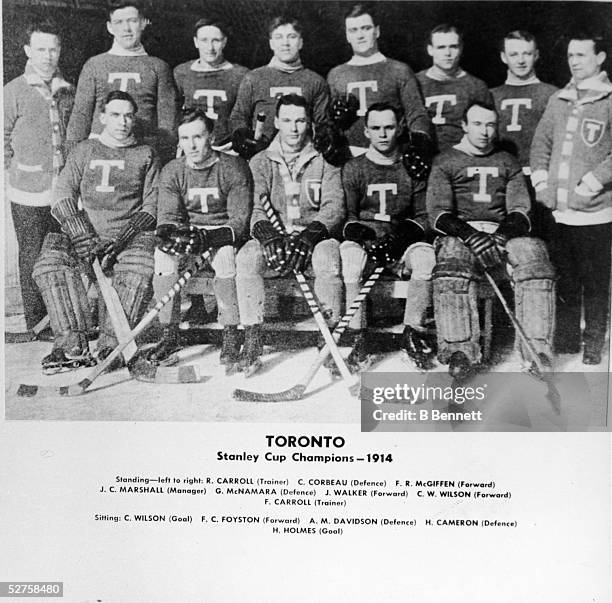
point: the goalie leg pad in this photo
(354, 259)
(327, 283)
(420, 260)
(57, 275)
(250, 268)
(456, 301)
(534, 292)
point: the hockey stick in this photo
(540, 370)
(76, 389)
(297, 391)
(310, 300)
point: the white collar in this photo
(512, 80)
(109, 141)
(465, 146)
(198, 65)
(214, 157)
(377, 57)
(122, 52)
(378, 158)
(33, 78)
(435, 73)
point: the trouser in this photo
(32, 224)
(582, 258)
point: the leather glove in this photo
(485, 249)
(391, 247)
(85, 246)
(187, 239)
(244, 143)
(304, 243)
(359, 233)
(417, 154)
(343, 111)
(273, 245)
(332, 144)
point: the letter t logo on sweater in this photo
(483, 172)
(106, 165)
(203, 194)
(124, 78)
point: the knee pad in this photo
(354, 259)
(420, 259)
(529, 259)
(453, 259)
(56, 250)
(250, 260)
(223, 262)
(326, 259)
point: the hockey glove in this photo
(76, 225)
(244, 143)
(417, 153)
(343, 111)
(332, 144)
(390, 247)
(359, 233)
(187, 239)
(485, 249)
(273, 245)
(304, 244)
(108, 252)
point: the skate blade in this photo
(252, 369)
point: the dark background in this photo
(404, 31)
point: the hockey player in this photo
(261, 88)
(306, 193)
(210, 83)
(370, 77)
(205, 202)
(127, 67)
(37, 106)
(387, 219)
(116, 181)
(446, 87)
(478, 197)
(571, 165)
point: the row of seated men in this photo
(386, 209)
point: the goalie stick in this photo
(311, 301)
(76, 389)
(297, 391)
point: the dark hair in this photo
(445, 28)
(119, 4)
(209, 22)
(361, 9)
(120, 95)
(595, 36)
(294, 100)
(379, 107)
(518, 34)
(191, 115)
(284, 20)
(483, 105)
(47, 26)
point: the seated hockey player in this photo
(478, 197)
(306, 193)
(387, 221)
(115, 178)
(205, 202)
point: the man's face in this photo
(118, 119)
(520, 56)
(210, 43)
(582, 59)
(362, 35)
(126, 25)
(194, 140)
(480, 127)
(43, 52)
(382, 131)
(292, 125)
(445, 51)
(286, 43)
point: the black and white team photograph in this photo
(244, 211)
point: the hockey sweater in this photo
(446, 100)
(219, 194)
(113, 183)
(214, 92)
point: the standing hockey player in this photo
(205, 203)
(478, 197)
(387, 219)
(37, 106)
(210, 83)
(571, 167)
(447, 89)
(261, 88)
(127, 67)
(115, 178)
(306, 193)
(370, 77)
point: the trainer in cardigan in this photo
(571, 170)
(477, 196)
(114, 179)
(205, 204)
(306, 193)
(37, 106)
(127, 67)
(211, 82)
(261, 88)
(370, 77)
(446, 87)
